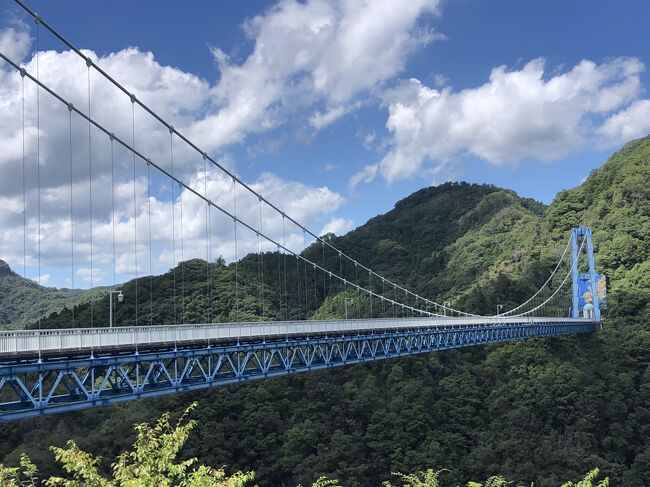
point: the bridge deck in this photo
(52, 371)
(33, 342)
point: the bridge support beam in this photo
(592, 274)
(575, 309)
(576, 277)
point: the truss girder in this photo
(40, 387)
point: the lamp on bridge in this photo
(120, 298)
(499, 308)
(346, 306)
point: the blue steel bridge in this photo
(46, 371)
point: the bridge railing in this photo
(45, 341)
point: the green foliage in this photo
(496, 481)
(589, 481)
(23, 476)
(152, 462)
(325, 482)
(22, 301)
(428, 478)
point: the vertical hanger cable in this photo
(71, 208)
(150, 249)
(38, 169)
(135, 214)
(22, 77)
(234, 221)
(171, 158)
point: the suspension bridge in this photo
(93, 363)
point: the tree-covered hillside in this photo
(22, 301)
(543, 410)
(438, 241)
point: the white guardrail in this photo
(51, 340)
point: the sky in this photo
(333, 109)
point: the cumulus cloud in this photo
(178, 229)
(366, 175)
(66, 173)
(628, 124)
(318, 51)
(176, 95)
(517, 114)
(43, 280)
(337, 226)
(91, 276)
(15, 40)
(316, 56)
(320, 120)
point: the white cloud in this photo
(366, 175)
(515, 115)
(15, 41)
(176, 95)
(321, 52)
(440, 80)
(318, 51)
(320, 120)
(87, 274)
(628, 124)
(43, 280)
(307, 204)
(329, 167)
(337, 226)
(315, 56)
(179, 97)
(369, 139)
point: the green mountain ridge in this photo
(23, 301)
(541, 410)
(432, 261)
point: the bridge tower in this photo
(584, 234)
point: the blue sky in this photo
(526, 95)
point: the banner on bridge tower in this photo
(585, 294)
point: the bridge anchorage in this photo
(46, 371)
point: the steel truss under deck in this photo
(58, 384)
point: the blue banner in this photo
(585, 294)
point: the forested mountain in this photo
(22, 301)
(541, 410)
(440, 241)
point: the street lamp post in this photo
(120, 298)
(346, 306)
(445, 305)
(499, 307)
